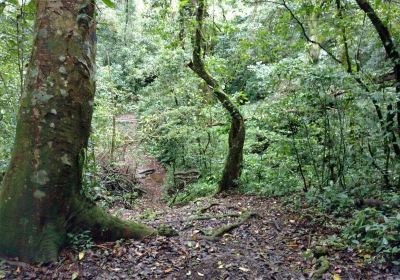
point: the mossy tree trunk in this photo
(233, 164)
(40, 198)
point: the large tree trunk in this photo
(40, 199)
(233, 164)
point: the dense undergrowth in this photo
(313, 133)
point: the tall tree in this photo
(393, 55)
(234, 160)
(41, 196)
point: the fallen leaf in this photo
(244, 269)
(168, 270)
(336, 277)
(74, 275)
(200, 274)
(81, 255)
(366, 256)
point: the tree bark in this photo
(383, 124)
(314, 50)
(339, 8)
(40, 198)
(393, 54)
(233, 164)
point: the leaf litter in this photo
(277, 243)
(270, 246)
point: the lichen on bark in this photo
(40, 198)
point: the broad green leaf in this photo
(109, 3)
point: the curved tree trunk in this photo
(234, 160)
(40, 199)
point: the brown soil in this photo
(149, 173)
(274, 245)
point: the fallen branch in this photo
(147, 172)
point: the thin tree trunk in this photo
(113, 138)
(357, 79)
(233, 164)
(20, 46)
(40, 198)
(393, 54)
(126, 21)
(314, 49)
(344, 37)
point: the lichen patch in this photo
(65, 160)
(39, 194)
(64, 93)
(41, 177)
(62, 70)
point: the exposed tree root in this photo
(209, 217)
(218, 232)
(204, 209)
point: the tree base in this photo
(103, 226)
(35, 243)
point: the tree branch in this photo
(388, 44)
(306, 35)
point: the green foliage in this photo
(196, 190)
(149, 215)
(373, 231)
(312, 130)
(332, 200)
(80, 241)
(109, 3)
(14, 51)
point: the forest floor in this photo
(277, 243)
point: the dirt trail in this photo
(150, 173)
(274, 245)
